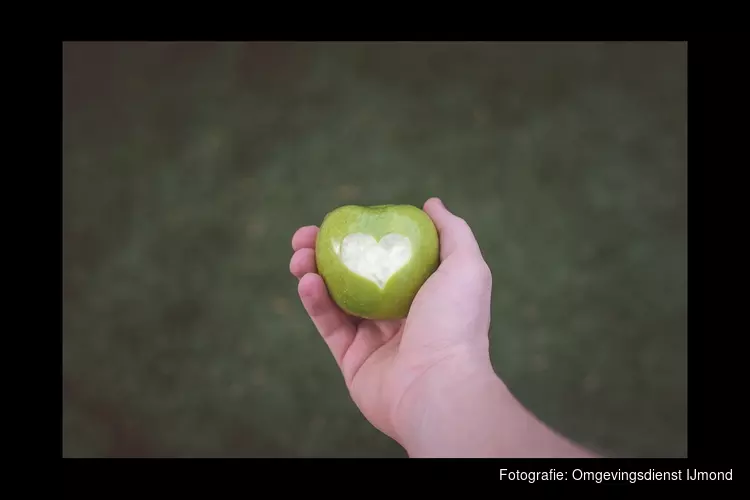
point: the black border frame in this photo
(711, 430)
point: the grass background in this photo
(187, 167)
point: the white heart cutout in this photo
(373, 260)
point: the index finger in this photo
(304, 237)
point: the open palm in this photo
(383, 361)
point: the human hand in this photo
(395, 369)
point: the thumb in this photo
(455, 234)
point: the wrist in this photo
(444, 412)
(463, 409)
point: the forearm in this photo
(475, 415)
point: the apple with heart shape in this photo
(374, 259)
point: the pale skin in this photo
(427, 381)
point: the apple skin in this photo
(357, 295)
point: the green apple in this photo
(375, 259)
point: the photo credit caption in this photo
(619, 475)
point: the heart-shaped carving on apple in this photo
(375, 259)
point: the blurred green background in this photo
(187, 168)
